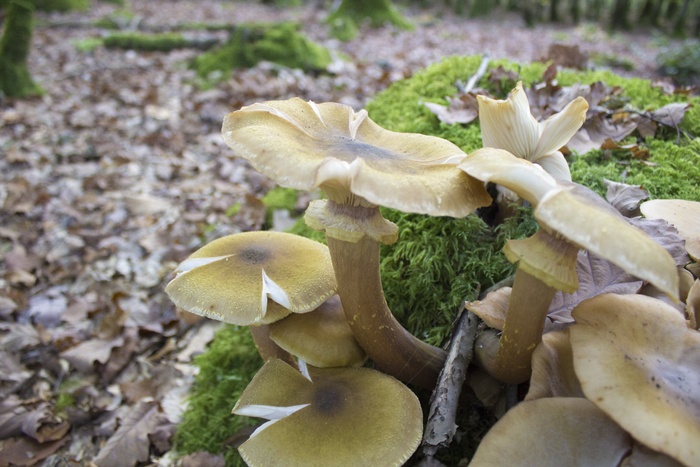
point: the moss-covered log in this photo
(249, 44)
(376, 12)
(15, 80)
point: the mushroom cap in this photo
(304, 145)
(321, 338)
(349, 416)
(579, 215)
(553, 372)
(546, 257)
(683, 215)
(553, 431)
(231, 278)
(638, 361)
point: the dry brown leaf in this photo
(462, 109)
(625, 198)
(26, 451)
(595, 276)
(83, 356)
(130, 444)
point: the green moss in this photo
(146, 42)
(15, 80)
(281, 198)
(376, 12)
(118, 19)
(249, 44)
(225, 369)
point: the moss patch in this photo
(353, 13)
(15, 80)
(225, 369)
(249, 44)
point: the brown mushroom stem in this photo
(267, 348)
(522, 331)
(392, 349)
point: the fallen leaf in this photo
(670, 114)
(625, 198)
(130, 444)
(83, 356)
(461, 109)
(595, 276)
(26, 451)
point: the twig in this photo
(480, 72)
(441, 427)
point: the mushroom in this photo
(252, 279)
(553, 431)
(553, 372)
(638, 361)
(683, 215)
(340, 416)
(571, 217)
(321, 338)
(509, 125)
(359, 166)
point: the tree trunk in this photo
(620, 15)
(15, 80)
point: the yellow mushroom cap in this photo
(683, 215)
(553, 431)
(305, 145)
(553, 372)
(254, 278)
(341, 417)
(638, 361)
(579, 215)
(321, 338)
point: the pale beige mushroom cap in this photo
(254, 278)
(554, 431)
(341, 417)
(321, 338)
(304, 145)
(509, 125)
(683, 215)
(579, 215)
(638, 361)
(553, 372)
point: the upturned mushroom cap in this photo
(554, 431)
(254, 278)
(683, 215)
(578, 215)
(342, 417)
(321, 338)
(637, 360)
(304, 145)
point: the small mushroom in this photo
(340, 416)
(509, 125)
(359, 166)
(683, 215)
(638, 361)
(571, 217)
(321, 338)
(553, 372)
(254, 278)
(553, 431)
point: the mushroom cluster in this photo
(318, 313)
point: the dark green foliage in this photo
(146, 42)
(376, 12)
(249, 44)
(682, 63)
(225, 369)
(15, 80)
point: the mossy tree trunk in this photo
(15, 80)
(620, 15)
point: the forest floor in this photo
(119, 172)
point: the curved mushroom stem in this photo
(522, 331)
(267, 348)
(392, 349)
